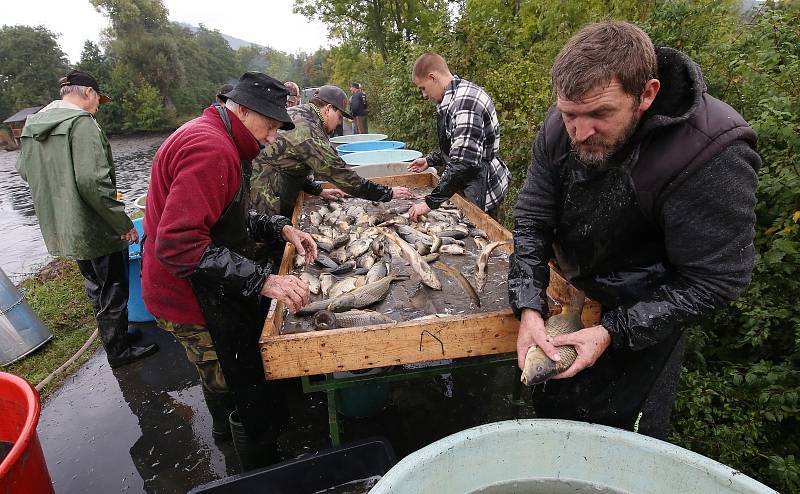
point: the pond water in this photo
(22, 248)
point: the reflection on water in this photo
(22, 249)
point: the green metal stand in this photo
(327, 384)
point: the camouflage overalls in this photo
(200, 351)
(291, 164)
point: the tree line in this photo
(738, 400)
(159, 73)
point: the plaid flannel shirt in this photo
(469, 122)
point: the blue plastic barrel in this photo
(137, 312)
(359, 147)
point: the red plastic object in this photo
(24, 469)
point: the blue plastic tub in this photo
(359, 147)
(137, 312)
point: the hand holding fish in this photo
(418, 210)
(399, 192)
(332, 194)
(418, 165)
(302, 241)
(288, 289)
(532, 333)
(590, 343)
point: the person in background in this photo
(643, 187)
(294, 94)
(469, 140)
(358, 108)
(301, 156)
(198, 276)
(67, 162)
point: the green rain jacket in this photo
(296, 159)
(67, 162)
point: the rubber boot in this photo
(220, 405)
(252, 453)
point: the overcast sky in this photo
(265, 22)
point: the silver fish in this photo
(299, 261)
(313, 282)
(483, 261)
(340, 240)
(326, 281)
(366, 260)
(377, 271)
(343, 268)
(325, 261)
(377, 247)
(314, 307)
(315, 218)
(452, 249)
(342, 286)
(326, 319)
(339, 255)
(421, 267)
(364, 296)
(323, 242)
(456, 275)
(359, 247)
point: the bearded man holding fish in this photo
(642, 186)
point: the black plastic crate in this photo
(312, 473)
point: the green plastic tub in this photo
(554, 456)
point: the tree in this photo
(31, 62)
(376, 24)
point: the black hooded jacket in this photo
(660, 238)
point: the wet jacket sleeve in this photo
(534, 221)
(94, 175)
(708, 225)
(327, 165)
(267, 228)
(465, 158)
(310, 186)
(235, 272)
(438, 160)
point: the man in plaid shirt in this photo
(469, 139)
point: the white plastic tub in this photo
(357, 138)
(538, 456)
(384, 169)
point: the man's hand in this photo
(132, 237)
(418, 165)
(289, 289)
(401, 193)
(531, 333)
(302, 242)
(590, 343)
(418, 210)
(332, 194)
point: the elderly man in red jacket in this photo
(198, 278)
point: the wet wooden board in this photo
(472, 335)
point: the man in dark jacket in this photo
(198, 276)
(358, 108)
(643, 186)
(66, 160)
(469, 140)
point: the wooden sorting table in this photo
(480, 339)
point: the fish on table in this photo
(481, 274)
(326, 319)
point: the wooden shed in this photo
(17, 120)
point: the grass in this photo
(57, 296)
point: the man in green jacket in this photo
(66, 160)
(304, 154)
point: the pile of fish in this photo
(362, 243)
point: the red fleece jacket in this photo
(196, 174)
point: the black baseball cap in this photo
(263, 94)
(81, 78)
(334, 96)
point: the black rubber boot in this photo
(252, 453)
(220, 405)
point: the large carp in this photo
(364, 296)
(538, 366)
(419, 266)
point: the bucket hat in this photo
(263, 94)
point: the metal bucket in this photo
(21, 331)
